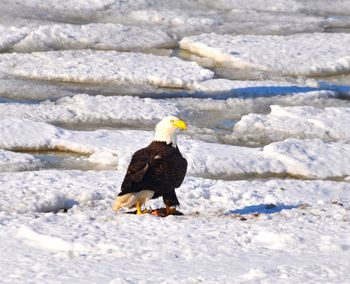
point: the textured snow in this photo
(145, 112)
(309, 6)
(306, 54)
(10, 161)
(33, 13)
(94, 36)
(182, 19)
(92, 110)
(273, 22)
(250, 21)
(311, 158)
(298, 122)
(10, 36)
(31, 90)
(176, 21)
(68, 4)
(260, 5)
(182, 22)
(104, 66)
(307, 158)
(90, 243)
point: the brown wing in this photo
(168, 169)
(180, 166)
(137, 168)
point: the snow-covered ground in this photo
(231, 233)
(264, 87)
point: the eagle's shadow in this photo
(262, 209)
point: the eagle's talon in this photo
(170, 211)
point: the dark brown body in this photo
(159, 167)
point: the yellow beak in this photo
(180, 124)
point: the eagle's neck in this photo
(165, 135)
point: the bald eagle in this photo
(155, 171)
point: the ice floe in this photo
(253, 88)
(10, 36)
(69, 4)
(142, 113)
(94, 36)
(298, 122)
(25, 90)
(306, 158)
(183, 22)
(103, 67)
(94, 110)
(11, 161)
(250, 21)
(310, 6)
(311, 158)
(35, 12)
(188, 18)
(176, 21)
(260, 5)
(299, 54)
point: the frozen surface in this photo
(341, 88)
(297, 122)
(277, 212)
(311, 158)
(32, 90)
(94, 36)
(69, 4)
(278, 242)
(184, 22)
(253, 88)
(307, 158)
(309, 6)
(306, 54)
(10, 36)
(260, 5)
(176, 21)
(141, 113)
(10, 161)
(93, 110)
(35, 12)
(184, 18)
(103, 67)
(250, 21)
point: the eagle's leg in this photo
(170, 201)
(138, 208)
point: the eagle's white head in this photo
(166, 129)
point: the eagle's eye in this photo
(172, 120)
